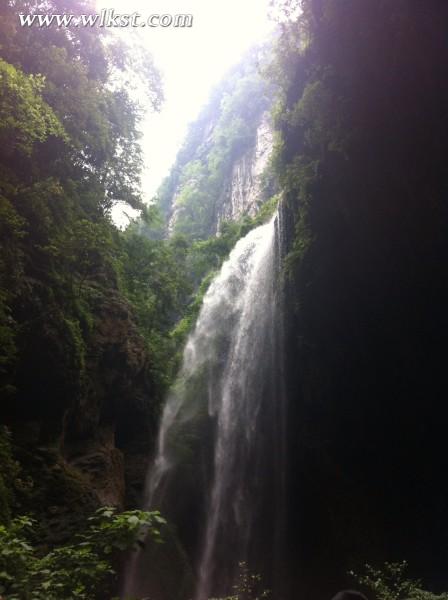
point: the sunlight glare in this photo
(192, 60)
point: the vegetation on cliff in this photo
(85, 309)
(93, 319)
(363, 136)
(87, 349)
(192, 196)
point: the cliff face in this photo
(222, 171)
(365, 213)
(243, 189)
(81, 433)
(107, 433)
(244, 192)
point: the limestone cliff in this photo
(243, 192)
(245, 189)
(222, 172)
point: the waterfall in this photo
(228, 380)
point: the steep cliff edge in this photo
(365, 210)
(222, 172)
(247, 187)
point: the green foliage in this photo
(248, 586)
(9, 471)
(204, 258)
(150, 223)
(8, 348)
(69, 149)
(166, 280)
(90, 86)
(209, 254)
(80, 570)
(25, 118)
(154, 281)
(184, 326)
(309, 118)
(391, 583)
(87, 248)
(267, 210)
(224, 130)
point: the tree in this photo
(25, 118)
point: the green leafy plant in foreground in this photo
(391, 583)
(73, 571)
(247, 587)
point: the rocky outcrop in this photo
(221, 170)
(245, 190)
(107, 434)
(82, 424)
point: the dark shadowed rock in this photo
(107, 433)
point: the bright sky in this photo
(192, 60)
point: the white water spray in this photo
(229, 358)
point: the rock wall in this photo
(84, 441)
(244, 192)
(247, 186)
(107, 434)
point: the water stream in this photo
(229, 379)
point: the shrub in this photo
(74, 571)
(391, 583)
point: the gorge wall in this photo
(222, 172)
(82, 439)
(364, 126)
(92, 318)
(246, 189)
(77, 377)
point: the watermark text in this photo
(108, 17)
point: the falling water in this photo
(227, 376)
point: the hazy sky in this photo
(191, 60)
